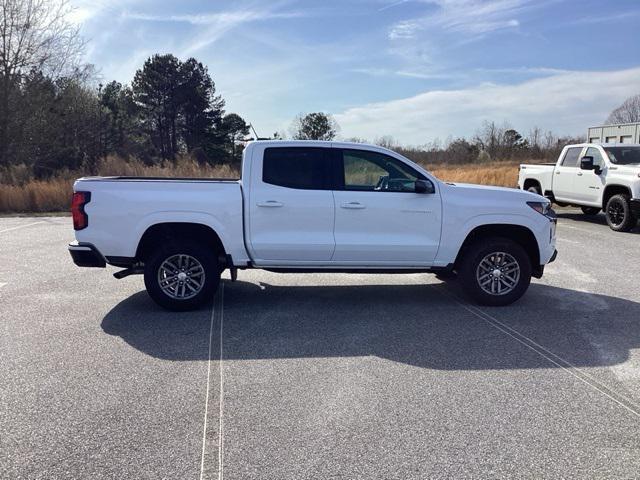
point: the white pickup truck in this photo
(308, 206)
(594, 177)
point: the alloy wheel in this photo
(181, 277)
(498, 273)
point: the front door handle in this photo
(270, 203)
(557, 173)
(353, 205)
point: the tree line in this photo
(491, 142)
(54, 115)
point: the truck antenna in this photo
(256, 133)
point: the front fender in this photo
(454, 234)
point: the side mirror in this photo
(586, 163)
(424, 186)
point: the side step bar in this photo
(135, 270)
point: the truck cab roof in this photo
(610, 144)
(318, 143)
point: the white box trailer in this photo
(623, 133)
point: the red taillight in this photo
(80, 218)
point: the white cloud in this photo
(231, 18)
(616, 17)
(394, 4)
(385, 72)
(471, 17)
(215, 25)
(405, 29)
(80, 15)
(566, 103)
(84, 10)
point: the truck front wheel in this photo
(618, 213)
(495, 271)
(182, 277)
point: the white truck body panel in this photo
(121, 211)
(265, 225)
(285, 226)
(570, 184)
(470, 206)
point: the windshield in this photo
(624, 155)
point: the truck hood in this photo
(632, 169)
(487, 190)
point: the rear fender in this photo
(202, 218)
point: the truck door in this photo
(380, 219)
(588, 186)
(565, 174)
(290, 207)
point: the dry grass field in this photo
(21, 194)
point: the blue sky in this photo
(417, 69)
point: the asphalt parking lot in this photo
(319, 376)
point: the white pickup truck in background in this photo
(312, 206)
(594, 177)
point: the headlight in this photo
(540, 207)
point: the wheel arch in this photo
(532, 182)
(161, 232)
(611, 190)
(519, 233)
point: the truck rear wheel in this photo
(495, 271)
(618, 213)
(534, 189)
(182, 277)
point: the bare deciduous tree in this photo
(386, 141)
(628, 112)
(34, 35)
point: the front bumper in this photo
(548, 252)
(634, 204)
(86, 255)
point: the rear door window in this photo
(296, 167)
(571, 157)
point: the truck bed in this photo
(539, 175)
(121, 209)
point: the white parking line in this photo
(206, 403)
(558, 361)
(221, 411)
(19, 226)
(2, 284)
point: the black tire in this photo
(206, 257)
(534, 189)
(590, 210)
(468, 269)
(618, 213)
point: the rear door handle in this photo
(579, 174)
(353, 205)
(270, 203)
